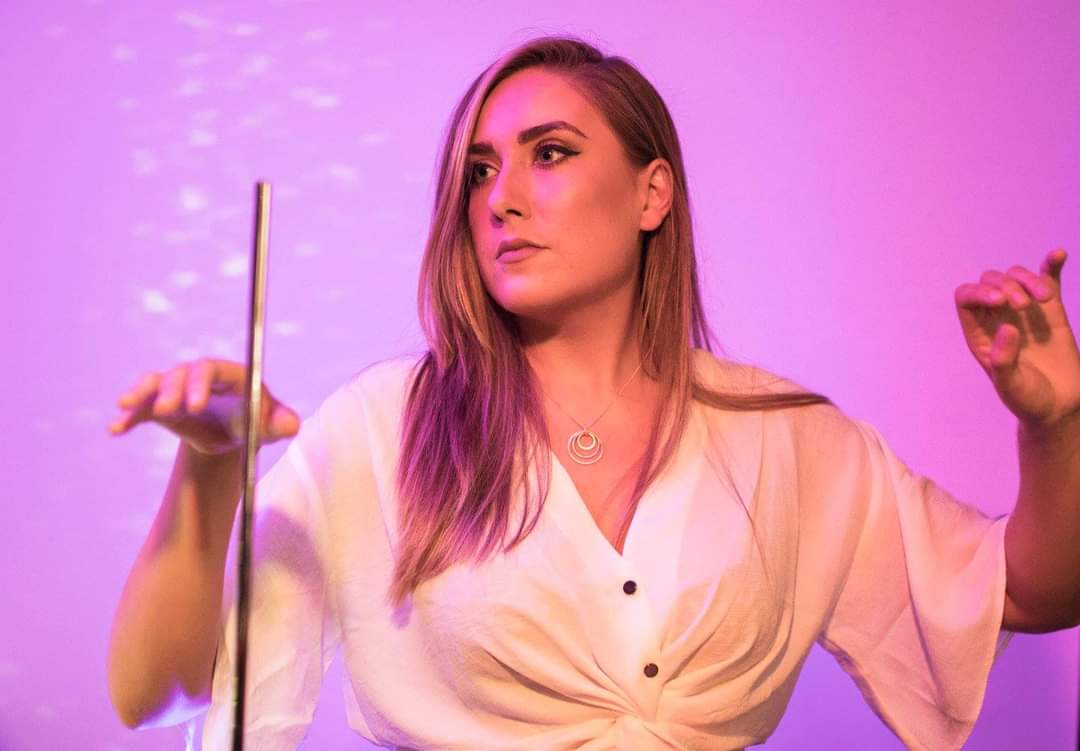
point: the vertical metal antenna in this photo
(252, 413)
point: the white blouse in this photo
(685, 641)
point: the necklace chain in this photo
(584, 446)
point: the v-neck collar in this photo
(570, 497)
(583, 518)
(738, 433)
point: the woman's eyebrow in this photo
(484, 148)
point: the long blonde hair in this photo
(473, 423)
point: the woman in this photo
(568, 524)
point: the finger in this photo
(143, 388)
(283, 422)
(978, 296)
(1052, 264)
(200, 378)
(1013, 291)
(170, 391)
(129, 418)
(228, 377)
(1038, 288)
(121, 424)
(1004, 351)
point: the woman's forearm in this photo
(167, 624)
(1042, 540)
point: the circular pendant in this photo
(584, 447)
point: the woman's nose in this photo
(508, 194)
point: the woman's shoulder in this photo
(385, 377)
(731, 376)
(377, 390)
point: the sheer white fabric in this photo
(542, 648)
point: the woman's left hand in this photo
(1015, 325)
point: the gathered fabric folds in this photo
(768, 532)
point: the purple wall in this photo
(849, 167)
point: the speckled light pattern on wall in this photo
(849, 166)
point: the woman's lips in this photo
(518, 254)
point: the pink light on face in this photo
(546, 165)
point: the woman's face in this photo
(545, 167)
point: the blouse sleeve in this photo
(917, 619)
(293, 631)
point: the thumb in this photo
(1004, 351)
(283, 422)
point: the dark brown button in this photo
(629, 586)
(651, 670)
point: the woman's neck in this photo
(587, 354)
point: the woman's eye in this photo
(474, 178)
(544, 160)
(552, 149)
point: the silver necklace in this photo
(584, 446)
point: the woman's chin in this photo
(530, 303)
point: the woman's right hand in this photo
(203, 403)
